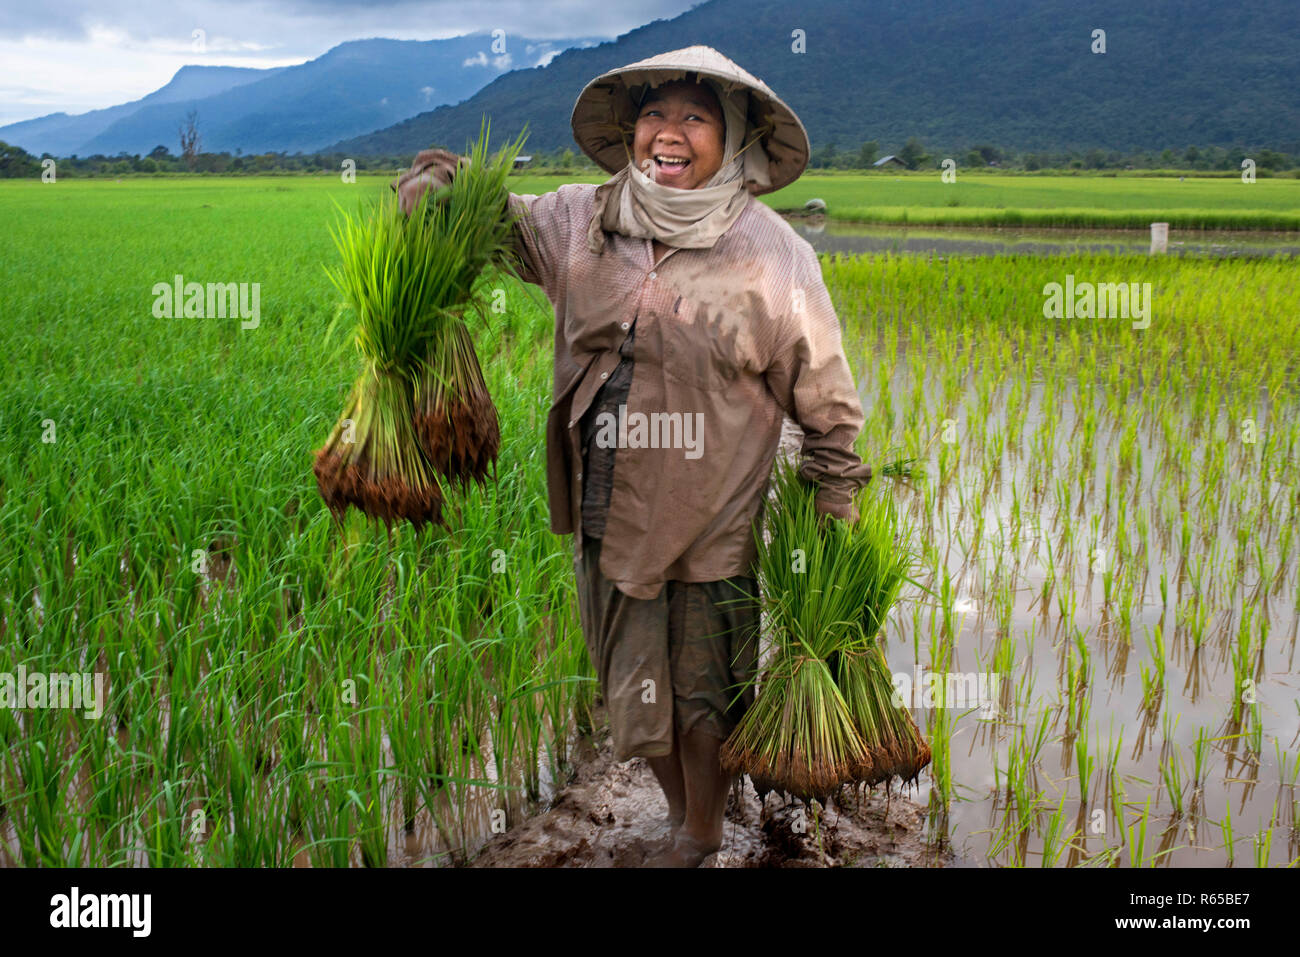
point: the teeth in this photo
(671, 161)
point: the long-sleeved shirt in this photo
(728, 339)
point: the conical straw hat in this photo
(604, 115)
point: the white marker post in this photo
(1159, 238)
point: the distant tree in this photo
(913, 154)
(1269, 159)
(869, 153)
(16, 161)
(824, 158)
(190, 140)
(159, 152)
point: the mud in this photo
(461, 439)
(457, 425)
(613, 814)
(343, 482)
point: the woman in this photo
(690, 319)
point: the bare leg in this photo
(668, 770)
(706, 788)
(706, 801)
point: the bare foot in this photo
(685, 851)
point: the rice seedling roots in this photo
(343, 482)
(461, 438)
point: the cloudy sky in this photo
(78, 55)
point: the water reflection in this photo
(831, 237)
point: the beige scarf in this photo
(634, 205)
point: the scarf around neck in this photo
(634, 205)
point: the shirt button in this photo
(624, 325)
(573, 423)
(604, 375)
(653, 275)
(579, 476)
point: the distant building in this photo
(522, 161)
(888, 161)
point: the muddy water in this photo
(827, 236)
(614, 815)
(990, 559)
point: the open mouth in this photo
(670, 166)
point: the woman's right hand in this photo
(431, 169)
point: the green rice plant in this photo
(1084, 761)
(372, 459)
(471, 228)
(1136, 834)
(1171, 771)
(1200, 748)
(1242, 672)
(1053, 844)
(827, 588)
(1225, 826)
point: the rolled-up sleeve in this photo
(811, 380)
(538, 237)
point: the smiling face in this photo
(680, 121)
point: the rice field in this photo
(1091, 202)
(1109, 528)
(1107, 524)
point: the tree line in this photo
(913, 155)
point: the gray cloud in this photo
(75, 55)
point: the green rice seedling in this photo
(1136, 834)
(1053, 844)
(471, 227)
(373, 459)
(1225, 826)
(879, 549)
(1153, 679)
(1171, 771)
(822, 585)
(1200, 748)
(1255, 737)
(1242, 671)
(1084, 761)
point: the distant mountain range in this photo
(955, 73)
(1020, 74)
(356, 87)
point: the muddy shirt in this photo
(598, 457)
(728, 339)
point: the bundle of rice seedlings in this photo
(823, 715)
(882, 564)
(420, 408)
(798, 735)
(455, 417)
(372, 459)
(893, 739)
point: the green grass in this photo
(281, 668)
